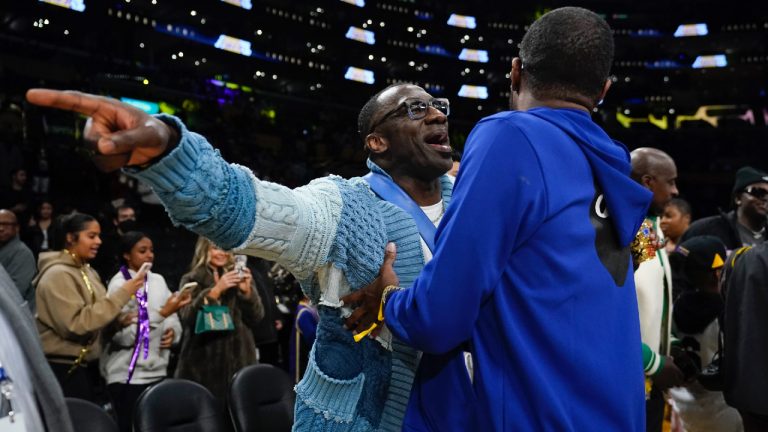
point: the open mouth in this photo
(438, 141)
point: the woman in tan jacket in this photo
(73, 305)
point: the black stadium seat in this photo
(261, 399)
(89, 417)
(177, 405)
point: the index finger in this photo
(68, 100)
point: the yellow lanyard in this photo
(87, 283)
(85, 349)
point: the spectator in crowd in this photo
(211, 358)
(674, 222)
(532, 271)
(657, 172)
(37, 235)
(36, 394)
(265, 332)
(18, 196)
(746, 224)
(123, 220)
(746, 332)
(73, 306)
(302, 338)
(124, 384)
(16, 257)
(696, 316)
(329, 233)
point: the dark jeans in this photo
(654, 411)
(124, 397)
(82, 383)
(754, 422)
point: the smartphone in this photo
(240, 261)
(188, 285)
(145, 267)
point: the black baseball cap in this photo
(746, 176)
(702, 254)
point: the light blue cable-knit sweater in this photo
(331, 235)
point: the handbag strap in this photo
(389, 191)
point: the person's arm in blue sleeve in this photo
(227, 204)
(498, 200)
(307, 324)
(205, 193)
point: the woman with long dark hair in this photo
(127, 370)
(212, 357)
(73, 305)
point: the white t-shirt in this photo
(435, 213)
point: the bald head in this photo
(9, 226)
(375, 104)
(655, 170)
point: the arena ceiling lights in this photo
(685, 30)
(245, 4)
(75, 5)
(358, 3)
(463, 21)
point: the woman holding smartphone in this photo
(127, 371)
(73, 306)
(211, 358)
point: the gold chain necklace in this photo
(86, 348)
(84, 275)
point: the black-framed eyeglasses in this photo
(416, 109)
(759, 193)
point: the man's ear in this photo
(376, 143)
(647, 181)
(606, 87)
(515, 74)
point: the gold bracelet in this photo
(384, 294)
(388, 290)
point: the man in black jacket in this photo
(746, 330)
(746, 225)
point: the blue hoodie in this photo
(532, 275)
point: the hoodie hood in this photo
(46, 260)
(611, 167)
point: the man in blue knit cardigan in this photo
(329, 234)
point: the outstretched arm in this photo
(201, 191)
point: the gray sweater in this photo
(46, 389)
(20, 264)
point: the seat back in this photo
(177, 405)
(261, 399)
(89, 417)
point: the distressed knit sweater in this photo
(331, 235)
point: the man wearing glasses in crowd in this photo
(329, 234)
(746, 225)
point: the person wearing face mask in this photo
(211, 358)
(123, 221)
(127, 377)
(73, 306)
(746, 224)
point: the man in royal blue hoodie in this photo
(532, 271)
